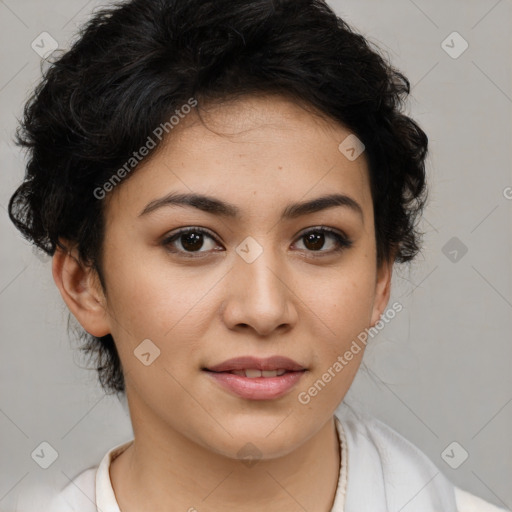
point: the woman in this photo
(224, 188)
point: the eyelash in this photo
(342, 241)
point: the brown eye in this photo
(316, 239)
(190, 240)
(197, 242)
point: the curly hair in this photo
(134, 63)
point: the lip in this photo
(258, 388)
(250, 362)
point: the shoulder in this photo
(372, 439)
(78, 495)
(381, 459)
(91, 488)
(467, 502)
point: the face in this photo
(255, 276)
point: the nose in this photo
(260, 296)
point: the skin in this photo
(259, 153)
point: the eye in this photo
(190, 240)
(315, 239)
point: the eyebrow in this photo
(216, 206)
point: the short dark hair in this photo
(136, 62)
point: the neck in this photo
(164, 470)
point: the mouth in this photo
(253, 373)
(257, 379)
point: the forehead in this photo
(256, 152)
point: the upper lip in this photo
(249, 362)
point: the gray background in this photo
(439, 372)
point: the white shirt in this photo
(380, 471)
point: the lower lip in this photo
(259, 388)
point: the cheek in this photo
(346, 297)
(141, 292)
(344, 306)
(344, 313)
(148, 300)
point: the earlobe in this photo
(382, 290)
(79, 287)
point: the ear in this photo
(81, 290)
(382, 289)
